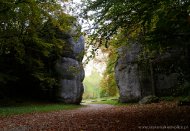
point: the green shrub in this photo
(167, 98)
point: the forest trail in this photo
(102, 117)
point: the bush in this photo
(184, 101)
(167, 98)
(149, 99)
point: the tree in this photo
(137, 18)
(30, 45)
(108, 86)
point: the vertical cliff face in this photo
(126, 73)
(71, 71)
(160, 76)
(170, 73)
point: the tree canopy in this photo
(155, 20)
(159, 26)
(30, 45)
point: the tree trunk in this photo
(152, 78)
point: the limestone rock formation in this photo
(156, 77)
(126, 73)
(165, 83)
(71, 71)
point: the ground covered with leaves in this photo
(102, 117)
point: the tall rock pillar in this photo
(71, 71)
(126, 73)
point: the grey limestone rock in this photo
(79, 48)
(137, 78)
(70, 69)
(71, 91)
(126, 73)
(71, 72)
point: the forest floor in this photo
(103, 117)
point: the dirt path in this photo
(95, 117)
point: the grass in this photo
(15, 110)
(106, 100)
(114, 101)
(110, 102)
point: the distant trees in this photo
(30, 46)
(108, 86)
(92, 85)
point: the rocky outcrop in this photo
(126, 73)
(71, 71)
(165, 83)
(138, 78)
(72, 75)
(170, 73)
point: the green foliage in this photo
(31, 40)
(140, 18)
(158, 25)
(149, 100)
(108, 84)
(184, 101)
(167, 98)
